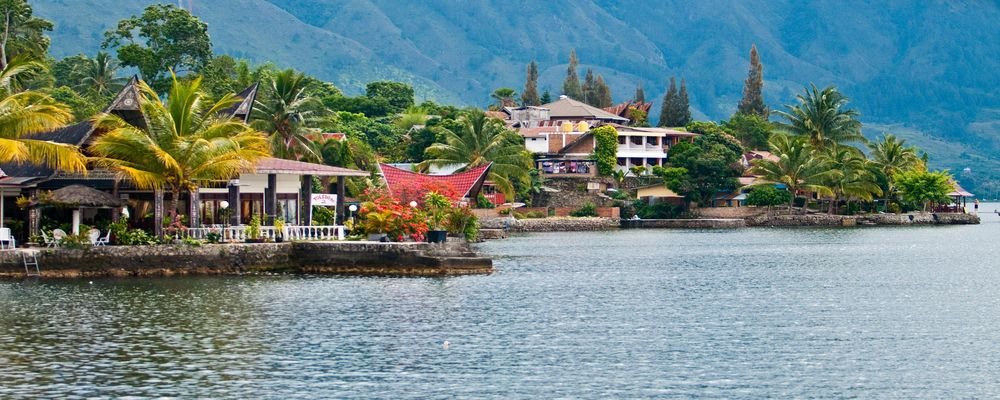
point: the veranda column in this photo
(194, 209)
(158, 212)
(340, 200)
(234, 202)
(271, 198)
(305, 200)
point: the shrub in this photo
(483, 202)
(605, 149)
(78, 241)
(535, 214)
(588, 210)
(462, 222)
(894, 208)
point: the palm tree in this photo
(891, 156)
(797, 167)
(855, 179)
(28, 113)
(505, 97)
(285, 114)
(481, 141)
(822, 118)
(98, 76)
(188, 141)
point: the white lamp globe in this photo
(224, 204)
(413, 204)
(353, 208)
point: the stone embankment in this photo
(556, 224)
(695, 223)
(865, 220)
(354, 258)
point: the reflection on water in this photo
(870, 312)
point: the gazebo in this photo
(78, 197)
(959, 195)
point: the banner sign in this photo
(324, 199)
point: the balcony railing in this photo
(292, 232)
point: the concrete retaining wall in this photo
(868, 219)
(370, 258)
(559, 224)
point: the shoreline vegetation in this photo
(808, 156)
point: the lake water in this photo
(901, 312)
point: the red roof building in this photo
(467, 184)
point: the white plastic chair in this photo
(6, 240)
(48, 240)
(57, 236)
(104, 240)
(94, 235)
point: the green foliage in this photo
(657, 210)
(798, 167)
(163, 39)
(753, 98)
(637, 117)
(384, 138)
(483, 202)
(530, 96)
(587, 210)
(676, 110)
(822, 118)
(768, 195)
(323, 216)
(399, 95)
(924, 188)
(83, 107)
(253, 228)
(213, 237)
(136, 237)
(546, 97)
(287, 112)
(752, 130)
(571, 85)
(504, 97)
(605, 149)
(24, 34)
(710, 165)
(462, 222)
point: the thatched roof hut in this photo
(79, 196)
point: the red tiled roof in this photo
(463, 182)
(270, 165)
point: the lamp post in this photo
(224, 205)
(413, 204)
(352, 209)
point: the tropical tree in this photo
(28, 113)
(483, 140)
(21, 34)
(98, 76)
(286, 112)
(186, 141)
(797, 168)
(924, 187)
(821, 116)
(855, 179)
(892, 157)
(504, 97)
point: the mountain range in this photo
(925, 70)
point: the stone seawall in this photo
(700, 223)
(560, 224)
(866, 220)
(363, 258)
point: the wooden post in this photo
(271, 198)
(305, 200)
(158, 213)
(194, 209)
(234, 202)
(340, 200)
(34, 216)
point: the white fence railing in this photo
(292, 232)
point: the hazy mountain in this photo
(930, 65)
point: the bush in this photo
(606, 149)
(588, 210)
(483, 202)
(535, 214)
(136, 237)
(894, 208)
(462, 222)
(78, 241)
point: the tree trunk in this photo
(3, 43)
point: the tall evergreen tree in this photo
(571, 86)
(683, 110)
(589, 88)
(669, 101)
(753, 98)
(640, 95)
(546, 97)
(530, 95)
(602, 93)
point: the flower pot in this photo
(376, 237)
(279, 239)
(437, 236)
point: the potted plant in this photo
(377, 224)
(279, 230)
(253, 231)
(438, 206)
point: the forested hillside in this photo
(927, 68)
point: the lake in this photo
(887, 312)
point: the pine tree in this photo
(683, 106)
(602, 93)
(640, 95)
(530, 95)
(546, 97)
(669, 99)
(753, 98)
(589, 87)
(571, 86)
